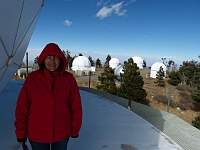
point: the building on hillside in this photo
(138, 61)
(113, 63)
(155, 68)
(22, 72)
(118, 70)
(81, 65)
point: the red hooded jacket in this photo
(49, 105)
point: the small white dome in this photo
(113, 63)
(81, 63)
(138, 61)
(156, 67)
(118, 70)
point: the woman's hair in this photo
(61, 63)
(42, 65)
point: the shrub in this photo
(196, 95)
(181, 87)
(175, 78)
(161, 98)
(196, 106)
(186, 98)
(196, 122)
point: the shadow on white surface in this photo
(106, 126)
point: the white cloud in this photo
(99, 3)
(117, 8)
(131, 1)
(170, 57)
(104, 12)
(108, 10)
(68, 23)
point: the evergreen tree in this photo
(196, 122)
(196, 78)
(108, 58)
(69, 59)
(189, 71)
(174, 78)
(35, 64)
(107, 81)
(196, 94)
(132, 82)
(98, 63)
(144, 63)
(163, 59)
(36, 60)
(170, 64)
(160, 77)
(91, 61)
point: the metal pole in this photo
(169, 95)
(120, 84)
(26, 64)
(89, 78)
(68, 64)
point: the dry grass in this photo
(181, 103)
(15, 77)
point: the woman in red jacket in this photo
(49, 108)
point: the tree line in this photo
(131, 86)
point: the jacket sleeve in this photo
(76, 109)
(22, 113)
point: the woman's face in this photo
(52, 63)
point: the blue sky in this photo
(151, 29)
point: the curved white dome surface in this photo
(118, 70)
(113, 63)
(155, 68)
(138, 61)
(18, 20)
(81, 63)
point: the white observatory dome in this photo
(81, 63)
(138, 61)
(113, 63)
(156, 67)
(118, 70)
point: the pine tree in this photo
(170, 64)
(174, 78)
(69, 59)
(132, 82)
(108, 58)
(144, 63)
(36, 60)
(91, 61)
(196, 122)
(98, 63)
(196, 94)
(189, 71)
(160, 77)
(107, 81)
